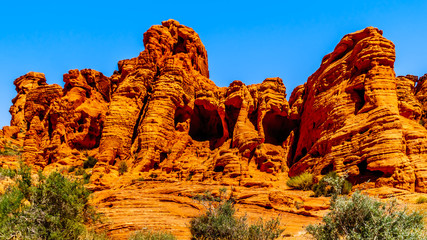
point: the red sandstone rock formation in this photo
(162, 116)
(357, 117)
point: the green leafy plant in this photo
(219, 222)
(421, 200)
(362, 217)
(151, 235)
(303, 181)
(7, 173)
(332, 185)
(86, 178)
(123, 167)
(90, 162)
(71, 169)
(92, 235)
(10, 149)
(48, 207)
(79, 171)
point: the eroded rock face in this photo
(58, 121)
(357, 117)
(162, 116)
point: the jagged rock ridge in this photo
(160, 113)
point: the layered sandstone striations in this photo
(357, 117)
(162, 116)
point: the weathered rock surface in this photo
(358, 118)
(169, 206)
(160, 114)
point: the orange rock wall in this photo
(358, 118)
(161, 114)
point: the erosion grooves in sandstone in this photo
(162, 116)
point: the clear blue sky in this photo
(245, 40)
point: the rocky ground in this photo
(169, 206)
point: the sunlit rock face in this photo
(160, 113)
(357, 117)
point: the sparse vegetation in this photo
(123, 167)
(92, 235)
(362, 217)
(90, 162)
(71, 169)
(219, 222)
(47, 207)
(80, 171)
(421, 200)
(332, 185)
(151, 235)
(86, 177)
(9, 149)
(7, 173)
(303, 181)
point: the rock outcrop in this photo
(358, 118)
(161, 115)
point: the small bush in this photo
(71, 169)
(90, 162)
(80, 171)
(265, 230)
(151, 235)
(303, 181)
(123, 167)
(362, 217)
(9, 149)
(52, 207)
(332, 184)
(92, 235)
(86, 178)
(7, 172)
(421, 200)
(219, 222)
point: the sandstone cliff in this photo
(357, 117)
(162, 116)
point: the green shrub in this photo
(80, 171)
(52, 207)
(332, 184)
(303, 181)
(86, 178)
(6, 172)
(219, 222)
(10, 150)
(151, 235)
(421, 200)
(265, 230)
(123, 167)
(92, 235)
(362, 217)
(90, 162)
(71, 169)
